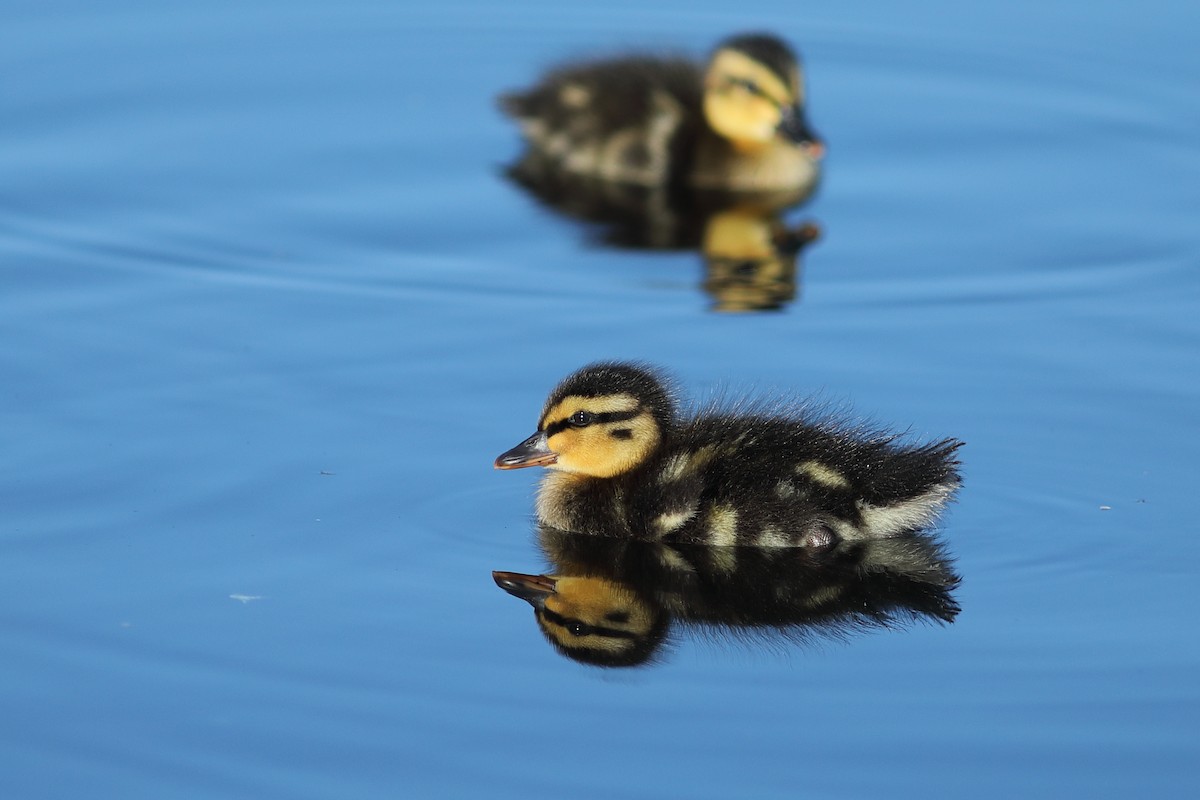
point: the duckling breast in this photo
(778, 166)
(583, 504)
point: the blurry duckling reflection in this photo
(612, 602)
(751, 255)
(751, 259)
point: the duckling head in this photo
(602, 421)
(753, 92)
(590, 619)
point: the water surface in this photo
(270, 309)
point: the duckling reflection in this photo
(664, 154)
(751, 260)
(614, 602)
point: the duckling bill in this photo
(737, 123)
(623, 460)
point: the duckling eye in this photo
(746, 84)
(580, 419)
(577, 628)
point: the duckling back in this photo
(798, 479)
(630, 120)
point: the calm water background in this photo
(268, 311)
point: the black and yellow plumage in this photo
(735, 124)
(624, 461)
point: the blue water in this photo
(269, 310)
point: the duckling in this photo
(624, 461)
(614, 602)
(737, 124)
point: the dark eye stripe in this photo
(602, 417)
(595, 630)
(754, 89)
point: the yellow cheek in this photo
(745, 120)
(591, 452)
(576, 450)
(594, 451)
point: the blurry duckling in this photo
(736, 124)
(624, 461)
